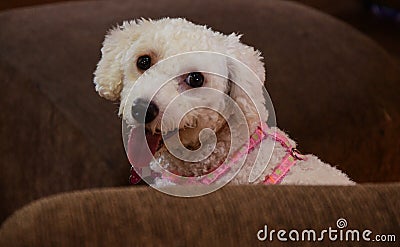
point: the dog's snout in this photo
(144, 111)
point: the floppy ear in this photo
(247, 75)
(108, 75)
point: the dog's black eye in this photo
(195, 79)
(144, 62)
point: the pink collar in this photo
(262, 132)
(288, 161)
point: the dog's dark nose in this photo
(143, 110)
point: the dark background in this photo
(383, 30)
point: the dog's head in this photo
(134, 49)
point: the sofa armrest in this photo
(232, 216)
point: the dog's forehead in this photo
(171, 37)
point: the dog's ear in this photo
(109, 72)
(247, 75)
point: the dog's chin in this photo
(188, 144)
(141, 155)
(193, 169)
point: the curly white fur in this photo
(116, 74)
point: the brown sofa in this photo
(334, 90)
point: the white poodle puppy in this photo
(135, 52)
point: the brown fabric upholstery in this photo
(231, 216)
(334, 91)
(42, 151)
